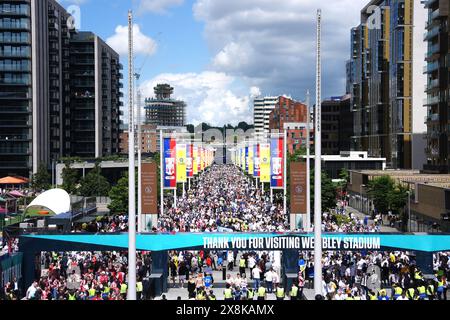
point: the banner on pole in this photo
(264, 165)
(189, 161)
(247, 164)
(277, 163)
(181, 163)
(298, 187)
(169, 163)
(256, 161)
(149, 188)
(195, 160)
(251, 158)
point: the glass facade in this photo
(15, 88)
(379, 78)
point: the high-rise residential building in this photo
(95, 97)
(15, 88)
(337, 125)
(291, 116)
(437, 87)
(262, 107)
(379, 78)
(37, 114)
(164, 111)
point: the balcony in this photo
(14, 164)
(431, 100)
(14, 150)
(431, 67)
(432, 33)
(432, 117)
(432, 84)
(14, 138)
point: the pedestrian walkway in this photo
(360, 215)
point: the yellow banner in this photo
(264, 162)
(194, 161)
(181, 163)
(250, 160)
(243, 158)
(202, 159)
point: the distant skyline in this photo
(219, 54)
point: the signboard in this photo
(298, 187)
(169, 163)
(277, 163)
(181, 163)
(264, 162)
(149, 187)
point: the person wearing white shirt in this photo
(256, 274)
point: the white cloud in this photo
(158, 6)
(77, 2)
(142, 43)
(210, 96)
(271, 44)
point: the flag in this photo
(189, 161)
(256, 160)
(264, 162)
(251, 159)
(277, 163)
(181, 163)
(246, 159)
(195, 161)
(169, 163)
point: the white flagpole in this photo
(307, 223)
(318, 171)
(285, 153)
(131, 171)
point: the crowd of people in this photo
(89, 276)
(342, 221)
(376, 276)
(223, 197)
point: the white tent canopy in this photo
(50, 203)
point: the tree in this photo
(41, 179)
(379, 190)
(94, 184)
(70, 179)
(119, 196)
(387, 195)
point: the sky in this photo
(219, 54)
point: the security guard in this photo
(294, 292)
(106, 291)
(397, 291)
(411, 293)
(228, 293)
(200, 295)
(250, 294)
(211, 296)
(430, 291)
(262, 293)
(72, 296)
(139, 289)
(123, 289)
(372, 295)
(242, 266)
(279, 293)
(422, 292)
(92, 292)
